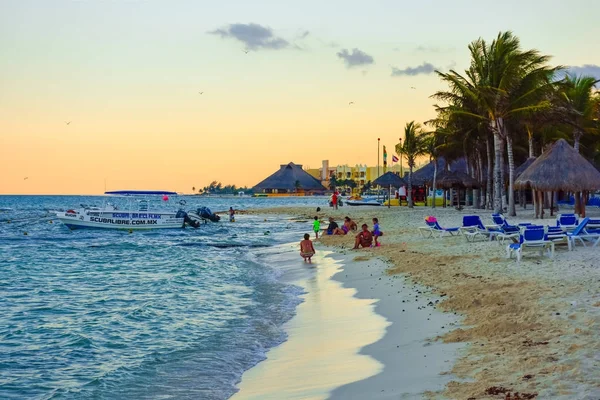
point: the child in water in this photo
(306, 249)
(317, 226)
(231, 214)
(376, 232)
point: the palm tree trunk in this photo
(480, 193)
(530, 142)
(497, 173)
(490, 180)
(578, 205)
(434, 182)
(410, 199)
(511, 177)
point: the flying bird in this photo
(25, 178)
(67, 122)
(412, 87)
(246, 51)
(350, 103)
(201, 92)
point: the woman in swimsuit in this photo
(306, 249)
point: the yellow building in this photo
(359, 173)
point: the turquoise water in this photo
(175, 314)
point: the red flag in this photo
(394, 158)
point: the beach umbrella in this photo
(560, 168)
(389, 179)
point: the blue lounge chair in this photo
(532, 238)
(567, 222)
(472, 227)
(580, 233)
(433, 228)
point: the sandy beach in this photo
(508, 331)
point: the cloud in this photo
(356, 58)
(586, 69)
(424, 69)
(253, 36)
(432, 49)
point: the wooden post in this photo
(551, 204)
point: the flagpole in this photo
(378, 139)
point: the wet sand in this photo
(532, 329)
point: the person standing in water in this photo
(307, 249)
(317, 227)
(231, 214)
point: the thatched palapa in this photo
(290, 178)
(560, 168)
(453, 179)
(524, 166)
(389, 179)
(424, 174)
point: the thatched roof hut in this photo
(289, 179)
(524, 166)
(389, 179)
(560, 168)
(424, 174)
(454, 179)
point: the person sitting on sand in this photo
(364, 238)
(306, 249)
(349, 225)
(376, 232)
(333, 228)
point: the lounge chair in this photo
(472, 227)
(581, 234)
(567, 222)
(433, 228)
(532, 238)
(558, 236)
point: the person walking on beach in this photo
(376, 232)
(364, 238)
(307, 249)
(231, 214)
(317, 226)
(334, 199)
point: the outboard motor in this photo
(187, 219)
(205, 213)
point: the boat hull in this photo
(119, 220)
(362, 203)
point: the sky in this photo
(277, 79)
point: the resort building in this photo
(289, 180)
(361, 174)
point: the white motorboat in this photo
(111, 217)
(364, 202)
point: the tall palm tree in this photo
(580, 97)
(503, 82)
(414, 145)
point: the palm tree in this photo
(297, 186)
(580, 97)
(332, 182)
(431, 145)
(415, 141)
(193, 189)
(504, 83)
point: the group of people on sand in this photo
(364, 238)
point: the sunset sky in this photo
(127, 76)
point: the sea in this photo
(161, 314)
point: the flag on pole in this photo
(394, 158)
(384, 159)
